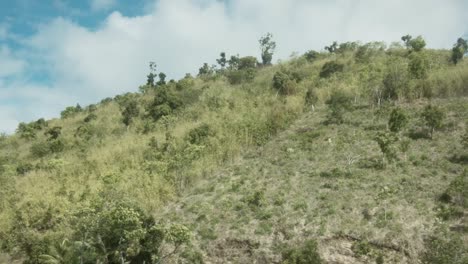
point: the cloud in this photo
(84, 65)
(9, 65)
(100, 5)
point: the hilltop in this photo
(354, 155)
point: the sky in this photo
(57, 53)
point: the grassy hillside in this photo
(292, 163)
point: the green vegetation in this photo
(330, 156)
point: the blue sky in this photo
(55, 53)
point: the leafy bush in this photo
(418, 65)
(338, 103)
(90, 117)
(306, 254)
(199, 134)
(330, 68)
(386, 143)
(129, 112)
(311, 55)
(164, 103)
(240, 76)
(444, 247)
(284, 83)
(398, 120)
(53, 132)
(70, 111)
(24, 168)
(433, 117)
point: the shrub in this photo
(433, 117)
(240, 76)
(70, 111)
(164, 103)
(40, 149)
(339, 102)
(199, 134)
(306, 254)
(330, 68)
(129, 112)
(90, 117)
(284, 83)
(386, 141)
(398, 120)
(53, 132)
(445, 247)
(26, 131)
(418, 65)
(395, 82)
(311, 55)
(24, 168)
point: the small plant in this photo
(386, 141)
(330, 68)
(338, 103)
(305, 254)
(284, 83)
(398, 120)
(433, 117)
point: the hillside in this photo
(356, 155)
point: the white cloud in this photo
(9, 65)
(99, 5)
(179, 35)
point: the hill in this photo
(357, 155)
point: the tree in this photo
(233, 62)
(332, 48)
(204, 70)
(338, 103)
(267, 46)
(398, 120)
(330, 68)
(162, 79)
(284, 83)
(222, 60)
(151, 75)
(406, 39)
(53, 132)
(418, 65)
(129, 112)
(386, 141)
(433, 116)
(459, 50)
(311, 55)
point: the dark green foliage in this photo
(222, 61)
(26, 131)
(305, 254)
(365, 52)
(39, 124)
(130, 112)
(90, 117)
(414, 44)
(311, 97)
(240, 76)
(84, 132)
(205, 70)
(338, 103)
(162, 79)
(184, 84)
(361, 248)
(386, 143)
(311, 55)
(164, 103)
(24, 168)
(330, 68)
(199, 134)
(106, 100)
(433, 117)
(347, 47)
(53, 132)
(459, 50)
(398, 120)
(267, 47)
(418, 65)
(247, 62)
(44, 148)
(70, 111)
(256, 199)
(152, 75)
(395, 82)
(332, 48)
(284, 83)
(445, 247)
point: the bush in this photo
(445, 247)
(339, 102)
(70, 111)
(129, 112)
(398, 120)
(90, 117)
(386, 141)
(284, 83)
(433, 118)
(240, 76)
(164, 103)
(24, 168)
(311, 55)
(306, 254)
(330, 68)
(199, 134)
